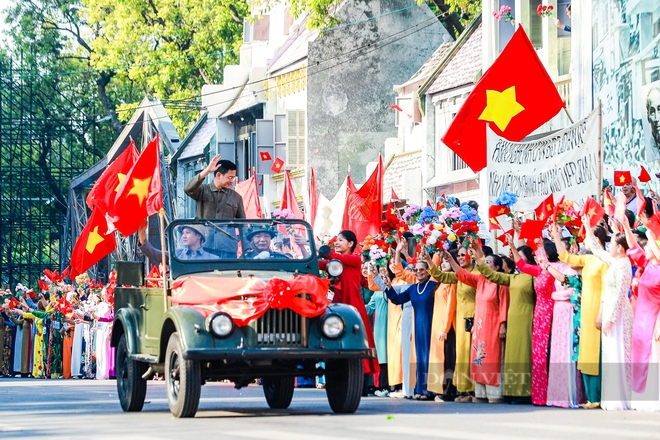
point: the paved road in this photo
(75, 409)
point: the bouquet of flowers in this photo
(450, 216)
(392, 226)
(503, 13)
(283, 214)
(427, 216)
(567, 215)
(82, 279)
(467, 226)
(411, 216)
(507, 199)
(378, 253)
(544, 10)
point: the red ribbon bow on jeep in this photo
(247, 299)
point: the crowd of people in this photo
(61, 332)
(565, 320)
(570, 317)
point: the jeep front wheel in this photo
(182, 380)
(344, 379)
(131, 388)
(278, 391)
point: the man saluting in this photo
(217, 199)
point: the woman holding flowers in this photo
(516, 381)
(465, 297)
(544, 286)
(617, 319)
(489, 328)
(421, 295)
(443, 338)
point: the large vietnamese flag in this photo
(249, 191)
(141, 193)
(514, 97)
(105, 189)
(364, 207)
(92, 245)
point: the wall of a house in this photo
(349, 90)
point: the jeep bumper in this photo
(212, 354)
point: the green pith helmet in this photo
(253, 230)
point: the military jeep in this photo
(234, 309)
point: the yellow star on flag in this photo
(501, 211)
(120, 177)
(93, 239)
(622, 179)
(592, 211)
(548, 207)
(140, 188)
(501, 107)
(542, 216)
(493, 221)
(607, 202)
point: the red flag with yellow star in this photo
(92, 245)
(265, 155)
(514, 97)
(105, 189)
(545, 210)
(608, 203)
(278, 164)
(141, 193)
(622, 177)
(493, 224)
(592, 209)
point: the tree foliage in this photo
(165, 48)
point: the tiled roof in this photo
(293, 50)
(393, 174)
(200, 140)
(432, 62)
(463, 67)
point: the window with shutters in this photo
(295, 138)
(535, 24)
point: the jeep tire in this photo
(278, 391)
(344, 379)
(183, 380)
(131, 388)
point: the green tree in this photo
(176, 46)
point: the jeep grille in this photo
(281, 328)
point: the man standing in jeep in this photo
(218, 200)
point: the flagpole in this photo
(163, 261)
(569, 115)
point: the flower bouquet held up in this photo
(503, 13)
(467, 226)
(505, 203)
(393, 226)
(544, 10)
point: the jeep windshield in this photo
(192, 242)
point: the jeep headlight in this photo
(220, 325)
(334, 268)
(333, 326)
